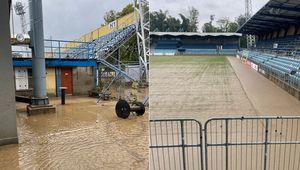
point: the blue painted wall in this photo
(27, 62)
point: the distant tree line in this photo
(162, 21)
(225, 25)
(112, 15)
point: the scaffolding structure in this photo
(141, 8)
(248, 14)
(20, 11)
(141, 30)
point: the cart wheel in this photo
(142, 110)
(122, 109)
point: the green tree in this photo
(240, 20)
(185, 23)
(223, 24)
(208, 27)
(162, 21)
(233, 27)
(110, 16)
(173, 24)
(125, 11)
(158, 20)
(193, 19)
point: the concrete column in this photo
(40, 102)
(38, 58)
(8, 127)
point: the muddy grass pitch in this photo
(197, 87)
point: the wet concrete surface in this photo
(267, 97)
(81, 135)
(198, 87)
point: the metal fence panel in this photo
(176, 144)
(252, 143)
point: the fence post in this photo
(266, 144)
(182, 142)
(205, 143)
(59, 50)
(201, 147)
(226, 144)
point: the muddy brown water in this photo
(198, 90)
(266, 96)
(203, 90)
(81, 135)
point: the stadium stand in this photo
(102, 47)
(97, 45)
(173, 43)
(284, 68)
(277, 51)
(276, 27)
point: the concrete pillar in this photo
(8, 127)
(40, 102)
(38, 58)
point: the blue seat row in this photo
(101, 47)
(284, 68)
(288, 46)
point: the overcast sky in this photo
(69, 19)
(219, 8)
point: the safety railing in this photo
(264, 143)
(57, 49)
(176, 144)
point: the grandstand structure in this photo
(190, 43)
(98, 47)
(276, 54)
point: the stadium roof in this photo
(194, 34)
(274, 15)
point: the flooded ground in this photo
(267, 97)
(203, 87)
(81, 135)
(196, 87)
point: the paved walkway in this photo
(266, 97)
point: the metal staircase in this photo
(103, 48)
(115, 41)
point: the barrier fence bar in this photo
(176, 144)
(264, 143)
(252, 143)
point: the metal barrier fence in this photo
(176, 144)
(253, 143)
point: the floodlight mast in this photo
(248, 14)
(20, 11)
(141, 11)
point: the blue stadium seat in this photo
(284, 68)
(102, 46)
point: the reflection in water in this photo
(81, 135)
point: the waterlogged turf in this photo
(197, 87)
(187, 59)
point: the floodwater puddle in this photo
(81, 135)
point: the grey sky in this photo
(69, 19)
(220, 8)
